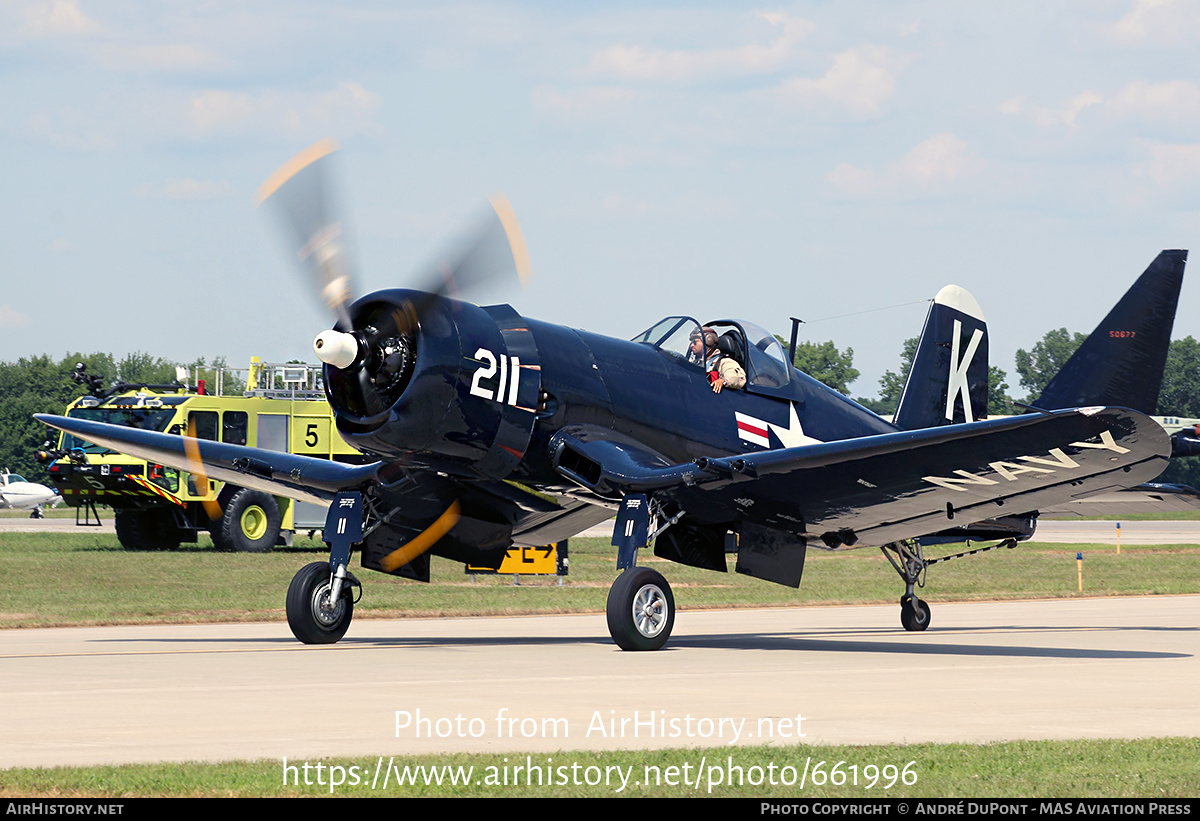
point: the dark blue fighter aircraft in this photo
(486, 429)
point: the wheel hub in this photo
(254, 522)
(328, 614)
(649, 610)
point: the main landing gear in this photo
(320, 604)
(641, 610)
(320, 599)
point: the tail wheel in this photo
(313, 617)
(914, 614)
(249, 523)
(641, 610)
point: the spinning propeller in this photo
(494, 251)
(378, 350)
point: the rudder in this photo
(1122, 362)
(948, 381)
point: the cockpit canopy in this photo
(758, 351)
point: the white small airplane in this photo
(15, 492)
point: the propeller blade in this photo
(300, 192)
(494, 251)
(195, 466)
(424, 540)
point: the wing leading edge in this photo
(297, 477)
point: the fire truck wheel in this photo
(147, 530)
(250, 523)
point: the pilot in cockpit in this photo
(696, 342)
(724, 370)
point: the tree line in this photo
(41, 384)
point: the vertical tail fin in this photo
(948, 382)
(1121, 363)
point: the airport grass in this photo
(54, 579)
(1105, 768)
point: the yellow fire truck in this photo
(156, 507)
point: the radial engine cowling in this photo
(438, 383)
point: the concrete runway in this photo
(1118, 667)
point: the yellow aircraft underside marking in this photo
(423, 541)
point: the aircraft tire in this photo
(146, 530)
(914, 614)
(308, 612)
(249, 523)
(641, 610)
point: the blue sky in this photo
(716, 159)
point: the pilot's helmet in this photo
(710, 338)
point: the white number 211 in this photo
(510, 372)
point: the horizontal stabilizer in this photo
(1147, 498)
(282, 474)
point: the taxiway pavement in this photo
(1104, 667)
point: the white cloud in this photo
(625, 155)
(930, 166)
(121, 117)
(1157, 22)
(1171, 165)
(659, 65)
(575, 105)
(860, 81)
(1067, 114)
(692, 207)
(1178, 99)
(156, 57)
(1013, 105)
(12, 319)
(227, 111)
(187, 189)
(216, 110)
(1157, 102)
(58, 18)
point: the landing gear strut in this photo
(910, 563)
(641, 608)
(320, 601)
